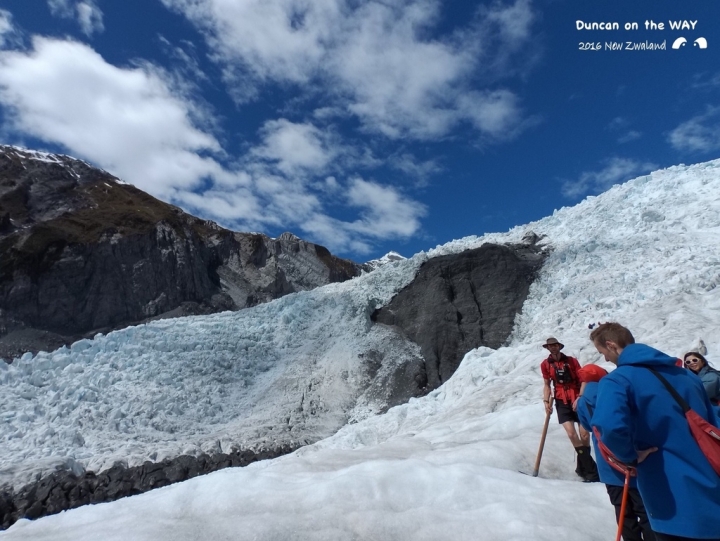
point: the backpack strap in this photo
(706, 435)
(679, 399)
(573, 371)
(567, 365)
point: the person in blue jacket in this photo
(636, 526)
(642, 425)
(697, 364)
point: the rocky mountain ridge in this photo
(82, 252)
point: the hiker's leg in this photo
(638, 507)
(569, 427)
(631, 528)
(584, 436)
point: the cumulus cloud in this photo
(699, 134)
(136, 123)
(294, 147)
(127, 120)
(86, 12)
(379, 61)
(383, 211)
(613, 171)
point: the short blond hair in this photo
(612, 332)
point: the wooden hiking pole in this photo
(536, 469)
(626, 488)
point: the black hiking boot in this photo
(587, 465)
(579, 467)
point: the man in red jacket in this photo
(563, 372)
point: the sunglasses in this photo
(692, 361)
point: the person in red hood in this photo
(563, 371)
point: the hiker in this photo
(563, 372)
(635, 526)
(642, 425)
(588, 373)
(710, 377)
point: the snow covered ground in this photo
(442, 467)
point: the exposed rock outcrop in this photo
(462, 301)
(65, 490)
(81, 253)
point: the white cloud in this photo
(295, 147)
(699, 134)
(90, 18)
(618, 123)
(705, 81)
(418, 171)
(496, 114)
(86, 12)
(621, 124)
(614, 171)
(139, 125)
(8, 33)
(631, 135)
(376, 60)
(6, 26)
(384, 210)
(513, 21)
(127, 120)
(185, 58)
(61, 8)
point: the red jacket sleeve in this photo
(545, 369)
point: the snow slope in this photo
(445, 466)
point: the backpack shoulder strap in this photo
(679, 399)
(573, 369)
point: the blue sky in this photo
(364, 126)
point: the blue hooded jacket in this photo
(634, 412)
(585, 408)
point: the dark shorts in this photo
(565, 413)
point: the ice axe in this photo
(536, 469)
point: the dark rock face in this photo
(460, 302)
(65, 490)
(81, 253)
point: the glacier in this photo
(445, 466)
